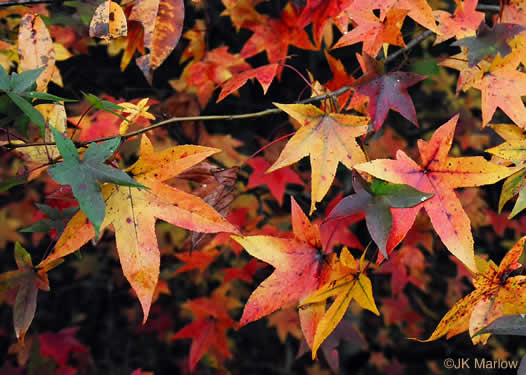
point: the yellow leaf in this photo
(328, 138)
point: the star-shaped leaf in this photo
(463, 23)
(419, 10)
(133, 211)
(375, 32)
(377, 201)
(84, 175)
(347, 283)
(489, 41)
(388, 91)
(275, 36)
(300, 264)
(496, 294)
(440, 174)
(276, 181)
(328, 138)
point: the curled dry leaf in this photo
(163, 23)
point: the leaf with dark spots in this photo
(84, 175)
(439, 175)
(496, 294)
(34, 44)
(108, 22)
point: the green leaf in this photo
(84, 175)
(506, 325)
(398, 195)
(84, 10)
(102, 104)
(514, 184)
(30, 111)
(5, 81)
(11, 182)
(22, 257)
(46, 96)
(26, 80)
(56, 219)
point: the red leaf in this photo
(59, 345)
(275, 181)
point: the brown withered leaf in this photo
(35, 48)
(163, 24)
(216, 187)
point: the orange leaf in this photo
(375, 32)
(463, 23)
(163, 25)
(495, 294)
(418, 10)
(440, 174)
(133, 213)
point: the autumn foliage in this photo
(183, 218)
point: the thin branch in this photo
(426, 34)
(243, 116)
(488, 8)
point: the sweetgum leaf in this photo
(440, 174)
(56, 219)
(84, 175)
(376, 201)
(489, 41)
(496, 294)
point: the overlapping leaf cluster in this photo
(313, 274)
